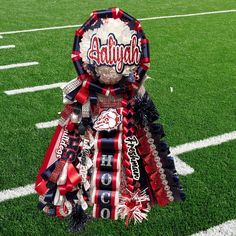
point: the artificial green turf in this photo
(210, 193)
(193, 55)
(22, 14)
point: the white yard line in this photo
(28, 189)
(188, 15)
(228, 228)
(34, 89)
(182, 167)
(41, 29)
(5, 67)
(45, 125)
(141, 19)
(16, 192)
(7, 46)
(212, 141)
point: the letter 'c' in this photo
(103, 197)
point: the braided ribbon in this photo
(128, 130)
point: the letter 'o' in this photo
(106, 179)
(105, 213)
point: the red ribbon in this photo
(162, 198)
(73, 178)
(82, 95)
(73, 175)
(152, 170)
(41, 188)
(48, 155)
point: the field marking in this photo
(48, 124)
(16, 192)
(29, 189)
(227, 228)
(212, 141)
(34, 89)
(1, 37)
(41, 29)
(188, 15)
(182, 167)
(7, 46)
(141, 19)
(5, 67)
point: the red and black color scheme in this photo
(108, 149)
(106, 176)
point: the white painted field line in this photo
(188, 15)
(7, 46)
(141, 19)
(41, 29)
(1, 37)
(212, 141)
(5, 67)
(45, 125)
(228, 228)
(34, 89)
(182, 167)
(16, 192)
